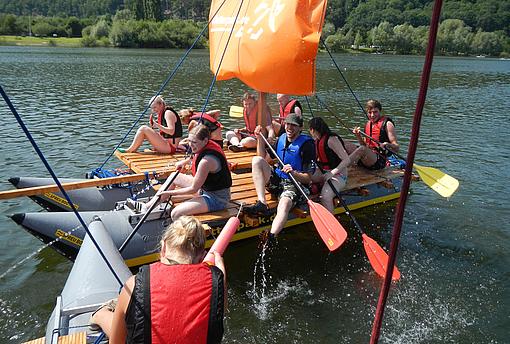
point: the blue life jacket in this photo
(292, 154)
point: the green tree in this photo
(73, 27)
(382, 35)
(403, 38)
(8, 24)
(488, 43)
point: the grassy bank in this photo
(40, 41)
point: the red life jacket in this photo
(289, 108)
(185, 304)
(162, 122)
(210, 122)
(378, 132)
(326, 157)
(214, 181)
(250, 120)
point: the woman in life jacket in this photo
(332, 160)
(244, 138)
(164, 132)
(209, 182)
(380, 128)
(210, 119)
(183, 296)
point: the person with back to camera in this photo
(209, 119)
(380, 128)
(184, 297)
(168, 125)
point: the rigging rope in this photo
(163, 86)
(55, 178)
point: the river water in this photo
(454, 253)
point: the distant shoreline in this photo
(41, 41)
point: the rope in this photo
(221, 60)
(345, 80)
(162, 87)
(55, 178)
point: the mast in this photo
(399, 216)
(261, 107)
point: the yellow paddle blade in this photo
(438, 181)
(236, 111)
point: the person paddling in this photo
(332, 159)
(380, 128)
(183, 298)
(210, 178)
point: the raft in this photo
(364, 188)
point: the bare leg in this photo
(194, 206)
(181, 180)
(249, 142)
(363, 153)
(104, 318)
(282, 213)
(327, 194)
(146, 133)
(233, 138)
(261, 171)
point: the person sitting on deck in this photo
(297, 151)
(186, 297)
(244, 138)
(382, 129)
(210, 178)
(209, 119)
(332, 158)
(287, 106)
(169, 127)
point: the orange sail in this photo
(273, 43)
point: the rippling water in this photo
(454, 254)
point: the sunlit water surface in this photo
(454, 253)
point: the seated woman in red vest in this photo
(244, 138)
(332, 160)
(186, 297)
(210, 181)
(165, 130)
(209, 119)
(381, 129)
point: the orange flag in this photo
(273, 44)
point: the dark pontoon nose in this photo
(14, 181)
(18, 218)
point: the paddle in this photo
(375, 253)
(437, 180)
(236, 111)
(39, 190)
(442, 183)
(330, 230)
(144, 217)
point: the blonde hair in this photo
(156, 99)
(185, 113)
(188, 235)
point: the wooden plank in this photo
(75, 338)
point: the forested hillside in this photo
(468, 26)
(487, 15)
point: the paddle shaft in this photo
(344, 204)
(296, 183)
(144, 217)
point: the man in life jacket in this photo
(381, 129)
(287, 106)
(244, 138)
(168, 126)
(297, 151)
(176, 300)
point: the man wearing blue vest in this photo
(297, 151)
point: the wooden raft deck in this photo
(159, 162)
(76, 338)
(243, 189)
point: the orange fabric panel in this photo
(273, 44)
